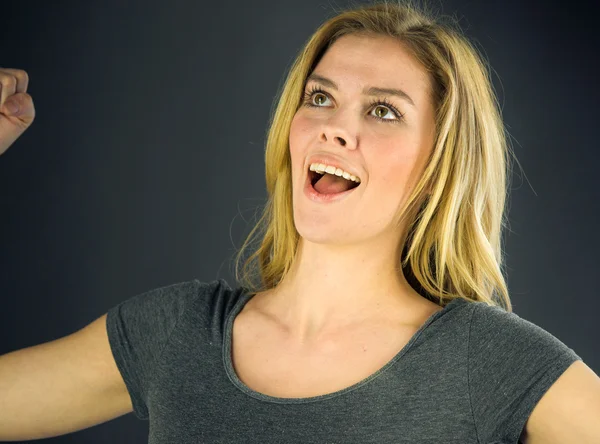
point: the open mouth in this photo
(326, 183)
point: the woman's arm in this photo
(55, 388)
(569, 412)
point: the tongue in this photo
(330, 184)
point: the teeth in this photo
(322, 169)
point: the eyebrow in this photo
(372, 91)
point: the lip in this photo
(333, 161)
(315, 196)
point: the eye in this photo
(316, 97)
(386, 111)
(315, 92)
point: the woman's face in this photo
(351, 119)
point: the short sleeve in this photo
(138, 330)
(512, 363)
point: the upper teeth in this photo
(322, 168)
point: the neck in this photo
(331, 286)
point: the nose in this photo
(333, 131)
(338, 139)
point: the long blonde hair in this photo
(456, 211)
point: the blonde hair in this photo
(455, 213)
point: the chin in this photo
(325, 231)
(325, 227)
(322, 238)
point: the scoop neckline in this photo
(233, 377)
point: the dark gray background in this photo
(144, 166)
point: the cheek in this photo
(300, 133)
(394, 164)
(297, 144)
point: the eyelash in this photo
(316, 89)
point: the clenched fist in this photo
(16, 106)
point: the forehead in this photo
(354, 61)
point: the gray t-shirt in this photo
(471, 374)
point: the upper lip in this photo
(333, 161)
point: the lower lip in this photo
(315, 196)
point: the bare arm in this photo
(569, 412)
(68, 384)
(61, 386)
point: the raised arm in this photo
(68, 384)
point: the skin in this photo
(16, 106)
(346, 272)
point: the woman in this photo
(375, 309)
